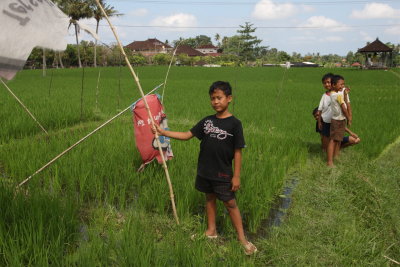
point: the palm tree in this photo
(76, 10)
(98, 15)
(217, 38)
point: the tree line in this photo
(240, 49)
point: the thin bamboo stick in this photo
(22, 104)
(71, 147)
(97, 90)
(171, 191)
(80, 141)
(392, 260)
(166, 76)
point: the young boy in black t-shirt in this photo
(222, 141)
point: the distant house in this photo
(191, 52)
(149, 47)
(377, 55)
(209, 50)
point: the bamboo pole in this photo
(97, 90)
(22, 104)
(80, 141)
(71, 147)
(166, 76)
(171, 191)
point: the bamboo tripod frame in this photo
(165, 167)
(80, 141)
(25, 108)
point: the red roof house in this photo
(208, 49)
(191, 52)
(149, 47)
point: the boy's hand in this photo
(156, 129)
(235, 183)
(320, 126)
(349, 122)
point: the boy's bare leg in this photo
(325, 143)
(236, 219)
(211, 208)
(337, 149)
(330, 152)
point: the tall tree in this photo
(249, 43)
(98, 16)
(217, 38)
(76, 10)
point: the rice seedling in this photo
(111, 215)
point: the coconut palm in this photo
(98, 15)
(217, 38)
(76, 10)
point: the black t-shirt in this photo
(219, 139)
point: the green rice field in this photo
(91, 207)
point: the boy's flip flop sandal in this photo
(249, 249)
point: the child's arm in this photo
(351, 133)
(236, 169)
(346, 114)
(171, 134)
(319, 120)
(346, 100)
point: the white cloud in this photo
(325, 23)
(366, 37)
(176, 20)
(376, 11)
(140, 12)
(394, 30)
(268, 10)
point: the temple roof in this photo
(376, 46)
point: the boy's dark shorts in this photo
(345, 140)
(337, 130)
(222, 189)
(326, 129)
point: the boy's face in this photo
(338, 86)
(316, 116)
(327, 84)
(219, 101)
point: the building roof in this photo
(207, 46)
(149, 44)
(185, 49)
(376, 46)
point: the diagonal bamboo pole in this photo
(80, 141)
(22, 104)
(71, 147)
(171, 191)
(169, 67)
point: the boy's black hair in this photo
(223, 86)
(327, 76)
(336, 78)
(315, 111)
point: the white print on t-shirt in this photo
(217, 132)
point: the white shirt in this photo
(325, 108)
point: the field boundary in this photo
(388, 148)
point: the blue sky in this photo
(304, 26)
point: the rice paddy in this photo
(91, 207)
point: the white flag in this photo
(26, 24)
